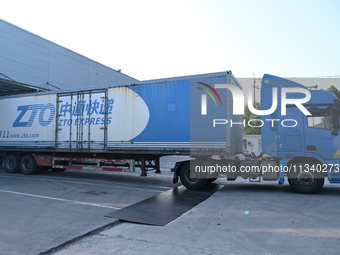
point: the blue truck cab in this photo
(306, 145)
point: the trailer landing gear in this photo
(146, 165)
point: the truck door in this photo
(320, 137)
(81, 124)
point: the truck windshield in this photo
(320, 118)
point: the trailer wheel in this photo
(191, 183)
(28, 165)
(305, 181)
(12, 163)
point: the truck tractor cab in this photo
(303, 134)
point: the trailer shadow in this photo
(161, 180)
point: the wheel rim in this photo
(187, 177)
(306, 179)
(26, 165)
(10, 164)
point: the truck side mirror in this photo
(335, 119)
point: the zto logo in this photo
(204, 97)
(32, 111)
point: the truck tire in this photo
(191, 183)
(303, 181)
(12, 163)
(28, 165)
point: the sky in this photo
(159, 39)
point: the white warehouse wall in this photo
(30, 59)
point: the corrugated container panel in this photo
(211, 137)
(170, 103)
(235, 135)
(30, 59)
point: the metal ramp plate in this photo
(165, 207)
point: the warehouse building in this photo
(29, 63)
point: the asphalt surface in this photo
(44, 211)
(39, 212)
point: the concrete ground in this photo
(39, 212)
(279, 221)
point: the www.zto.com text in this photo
(7, 134)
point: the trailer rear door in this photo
(81, 124)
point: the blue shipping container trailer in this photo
(141, 121)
